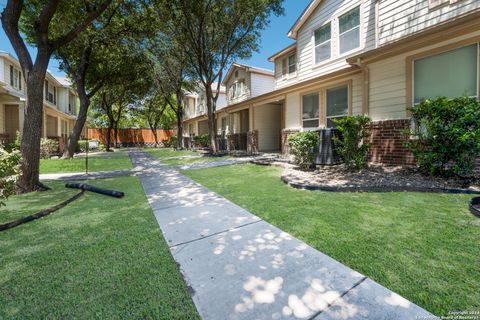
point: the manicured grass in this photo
(423, 246)
(169, 152)
(186, 161)
(97, 258)
(78, 164)
(29, 203)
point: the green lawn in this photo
(78, 164)
(186, 161)
(97, 258)
(423, 246)
(169, 152)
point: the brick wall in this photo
(285, 134)
(387, 142)
(252, 142)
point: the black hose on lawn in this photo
(112, 193)
(40, 214)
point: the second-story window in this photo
(15, 78)
(50, 93)
(292, 63)
(349, 27)
(323, 43)
(237, 89)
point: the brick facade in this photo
(285, 134)
(252, 142)
(388, 142)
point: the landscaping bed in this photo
(375, 178)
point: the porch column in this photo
(251, 123)
(59, 127)
(21, 117)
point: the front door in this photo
(12, 124)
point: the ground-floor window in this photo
(224, 126)
(451, 74)
(337, 104)
(310, 111)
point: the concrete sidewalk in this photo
(241, 267)
(83, 176)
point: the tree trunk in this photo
(77, 128)
(108, 139)
(115, 135)
(32, 131)
(155, 136)
(212, 130)
(179, 121)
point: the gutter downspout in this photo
(366, 86)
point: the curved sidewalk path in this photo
(241, 267)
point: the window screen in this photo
(310, 110)
(450, 74)
(337, 104)
(323, 43)
(349, 25)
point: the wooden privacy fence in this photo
(131, 137)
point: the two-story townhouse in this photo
(195, 118)
(250, 128)
(373, 57)
(59, 106)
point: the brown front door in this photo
(12, 124)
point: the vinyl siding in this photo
(388, 83)
(397, 19)
(242, 74)
(261, 84)
(326, 11)
(2, 119)
(2, 70)
(293, 100)
(267, 122)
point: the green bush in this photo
(48, 148)
(446, 138)
(9, 162)
(201, 141)
(170, 143)
(352, 144)
(303, 147)
(82, 146)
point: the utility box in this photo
(326, 147)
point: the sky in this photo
(273, 39)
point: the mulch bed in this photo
(375, 178)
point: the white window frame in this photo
(360, 33)
(315, 63)
(233, 89)
(319, 93)
(294, 55)
(16, 78)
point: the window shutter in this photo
(20, 80)
(11, 75)
(284, 66)
(46, 90)
(54, 95)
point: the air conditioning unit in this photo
(326, 147)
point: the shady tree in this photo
(38, 21)
(213, 33)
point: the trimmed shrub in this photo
(303, 147)
(170, 143)
(9, 163)
(352, 144)
(48, 148)
(82, 146)
(201, 141)
(446, 136)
